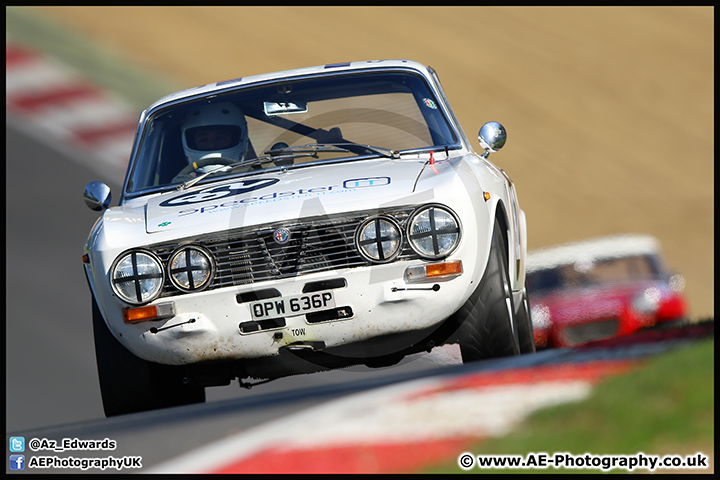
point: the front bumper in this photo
(370, 302)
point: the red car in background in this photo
(601, 288)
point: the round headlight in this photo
(434, 232)
(379, 239)
(137, 277)
(191, 269)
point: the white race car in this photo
(296, 222)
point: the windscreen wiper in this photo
(337, 147)
(308, 148)
(245, 163)
(382, 151)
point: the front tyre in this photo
(130, 384)
(488, 328)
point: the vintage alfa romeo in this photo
(297, 222)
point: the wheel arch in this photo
(502, 218)
(517, 267)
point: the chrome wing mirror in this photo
(492, 137)
(97, 196)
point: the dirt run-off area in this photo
(609, 110)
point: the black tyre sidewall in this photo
(488, 328)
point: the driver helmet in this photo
(215, 130)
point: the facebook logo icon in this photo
(17, 444)
(17, 462)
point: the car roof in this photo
(614, 246)
(320, 69)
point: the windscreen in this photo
(281, 125)
(598, 272)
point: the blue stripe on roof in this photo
(227, 82)
(334, 65)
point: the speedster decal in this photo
(347, 186)
(215, 193)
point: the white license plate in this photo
(289, 306)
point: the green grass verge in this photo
(664, 407)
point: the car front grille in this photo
(591, 331)
(251, 255)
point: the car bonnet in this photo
(279, 196)
(584, 304)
